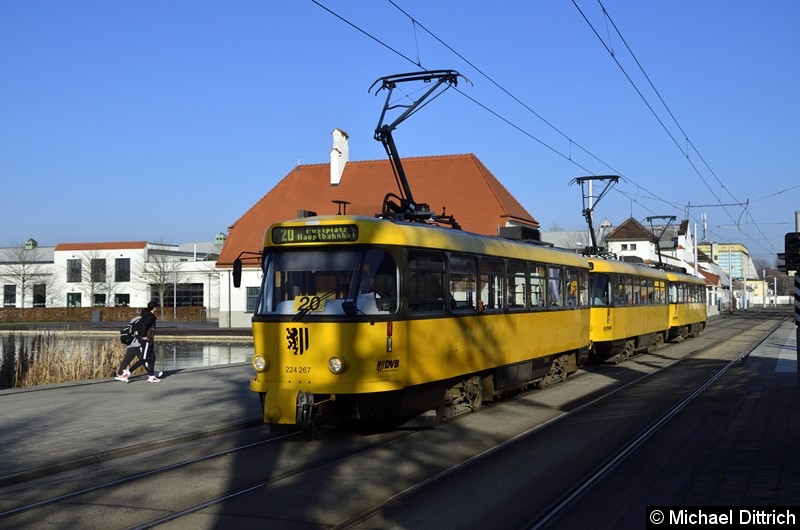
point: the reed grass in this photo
(41, 358)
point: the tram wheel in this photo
(474, 390)
(629, 349)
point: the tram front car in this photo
(322, 328)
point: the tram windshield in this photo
(347, 282)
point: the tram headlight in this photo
(260, 363)
(337, 365)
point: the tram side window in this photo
(491, 284)
(659, 294)
(538, 288)
(601, 289)
(426, 282)
(555, 286)
(378, 283)
(573, 286)
(632, 290)
(516, 284)
(620, 298)
(647, 290)
(673, 293)
(583, 288)
(463, 282)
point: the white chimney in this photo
(339, 156)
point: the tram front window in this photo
(335, 282)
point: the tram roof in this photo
(623, 267)
(683, 277)
(426, 236)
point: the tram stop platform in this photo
(752, 457)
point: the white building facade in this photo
(111, 274)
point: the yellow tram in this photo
(687, 305)
(629, 308)
(374, 319)
(382, 318)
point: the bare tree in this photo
(24, 267)
(94, 277)
(161, 271)
(762, 264)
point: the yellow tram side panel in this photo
(446, 348)
(619, 323)
(370, 367)
(685, 314)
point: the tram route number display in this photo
(283, 235)
(309, 303)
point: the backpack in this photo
(129, 332)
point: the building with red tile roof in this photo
(458, 185)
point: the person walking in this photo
(146, 329)
(134, 349)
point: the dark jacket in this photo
(147, 324)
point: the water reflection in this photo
(172, 355)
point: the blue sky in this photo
(167, 120)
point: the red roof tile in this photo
(459, 183)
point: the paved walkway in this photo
(53, 428)
(753, 457)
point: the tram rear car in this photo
(373, 319)
(629, 308)
(687, 305)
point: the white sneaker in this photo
(152, 379)
(123, 377)
(126, 373)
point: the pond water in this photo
(174, 355)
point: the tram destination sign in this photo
(282, 235)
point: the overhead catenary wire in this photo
(565, 155)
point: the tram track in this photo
(288, 479)
(402, 506)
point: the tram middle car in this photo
(372, 319)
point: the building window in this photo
(122, 300)
(122, 270)
(624, 246)
(74, 270)
(98, 270)
(633, 246)
(73, 299)
(9, 296)
(39, 295)
(99, 300)
(189, 294)
(252, 299)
